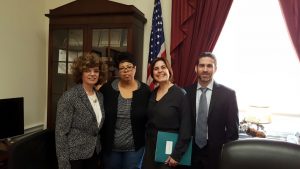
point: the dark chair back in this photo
(260, 154)
(36, 151)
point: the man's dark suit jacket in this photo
(222, 120)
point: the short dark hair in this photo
(125, 57)
(168, 67)
(206, 54)
(82, 63)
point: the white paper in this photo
(61, 68)
(62, 55)
(169, 146)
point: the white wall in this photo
(23, 57)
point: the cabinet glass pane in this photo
(108, 43)
(60, 39)
(75, 50)
(100, 37)
(67, 46)
(76, 39)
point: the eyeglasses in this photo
(128, 68)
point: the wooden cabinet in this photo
(90, 25)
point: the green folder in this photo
(165, 144)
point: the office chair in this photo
(260, 154)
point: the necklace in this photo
(93, 98)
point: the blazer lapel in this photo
(213, 98)
(83, 96)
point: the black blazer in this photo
(223, 118)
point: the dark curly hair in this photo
(125, 57)
(82, 63)
(167, 63)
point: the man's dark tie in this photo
(201, 123)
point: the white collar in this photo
(209, 86)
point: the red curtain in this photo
(291, 12)
(196, 26)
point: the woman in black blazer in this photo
(79, 117)
(168, 111)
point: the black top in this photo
(137, 115)
(171, 113)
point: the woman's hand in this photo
(171, 162)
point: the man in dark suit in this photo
(216, 119)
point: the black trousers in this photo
(207, 157)
(90, 163)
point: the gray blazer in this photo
(76, 131)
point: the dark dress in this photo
(172, 114)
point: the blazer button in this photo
(95, 134)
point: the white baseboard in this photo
(33, 128)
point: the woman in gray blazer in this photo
(79, 117)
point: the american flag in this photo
(157, 46)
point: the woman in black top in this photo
(168, 110)
(125, 103)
